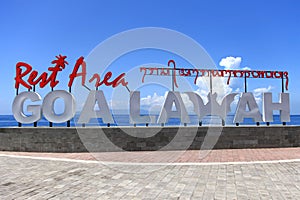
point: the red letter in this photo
(106, 79)
(119, 80)
(174, 82)
(60, 64)
(20, 75)
(97, 77)
(74, 74)
(31, 78)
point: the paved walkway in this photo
(23, 177)
(190, 156)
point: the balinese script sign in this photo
(212, 73)
(247, 106)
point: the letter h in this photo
(283, 106)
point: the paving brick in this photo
(26, 178)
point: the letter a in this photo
(166, 112)
(88, 111)
(247, 99)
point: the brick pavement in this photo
(23, 177)
(224, 155)
(27, 178)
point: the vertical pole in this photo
(17, 92)
(245, 83)
(282, 84)
(173, 73)
(50, 123)
(223, 121)
(83, 125)
(211, 90)
(34, 123)
(69, 122)
(282, 90)
(245, 89)
(210, 83)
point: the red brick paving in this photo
(224, 155)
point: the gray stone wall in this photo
(59, 139)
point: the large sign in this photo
(246, 107)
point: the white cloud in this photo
(115, 104)
(235, 64)
(220, 84)
(153, 103)
(188, 104)
(152, 100)
(246, 68)
(258, 93)
(231, 62)
(262, 90)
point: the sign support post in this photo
(282, 90)
(17, 92)
(50, 123)
(69, 122)
(34, 123)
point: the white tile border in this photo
(148, 164)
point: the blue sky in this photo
(264, 34)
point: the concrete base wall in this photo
(146, 138)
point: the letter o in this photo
(48, 106)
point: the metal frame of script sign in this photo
(211, 73)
